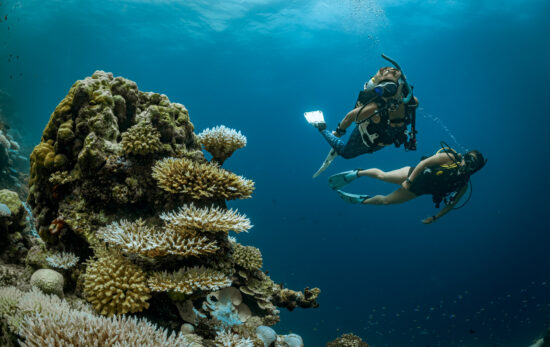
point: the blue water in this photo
(478, 277)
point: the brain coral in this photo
(113, 285)
(48, 281)
(247, 257)
(221, 142)
(200, 180)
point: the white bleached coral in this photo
(228, 339)
(221, 142)
(213, 219)
(139, 238)
(62, 260)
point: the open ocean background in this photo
(478, 277)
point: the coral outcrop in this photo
(48, 281)
(348, 340)
(119, 180)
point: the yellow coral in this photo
(113, 285)
(247, 256)
(187, 281)
(213, 219)
(200, 180)
(137, 237)
(221, 142)
(141, 139)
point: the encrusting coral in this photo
(221, 142)
(188, 281)
(113, 285)
(200, 180)
(247, 257)
(141, 139)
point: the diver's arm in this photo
(447, 208)
(354, 115)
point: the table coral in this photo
(113, 285)
(200, 180)
(210, 219)
(187, 281)
(221, 142)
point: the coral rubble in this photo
(133, 219)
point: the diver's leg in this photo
(355, 146)
(399, 196)
(334, 141)
(395, 176)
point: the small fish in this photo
(6, 17)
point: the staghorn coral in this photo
(200, 180)
(348, 340)
(113, 285)
(62, 260)
(247, 257)
(141, 139)
(221, 142)
(212, 219)
(228, 339)
(136, 237)
(188, 280)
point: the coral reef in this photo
(348, 340)
(13, 161)
(119, 179)
(221, 142)
(113, 285)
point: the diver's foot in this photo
(320, 125)
(343, 178)
(353, 198)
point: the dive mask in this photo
(384, 89)
(474, 162)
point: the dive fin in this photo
(341, 179)
(328, 160)
(353, 198)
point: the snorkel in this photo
(406, 99)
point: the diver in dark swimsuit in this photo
(445, 176)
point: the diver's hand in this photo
(428, 220)
(336, 134)
(406, 184)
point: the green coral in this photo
(141, 139)
(11, 199)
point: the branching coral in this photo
(137, 237)
(75, 328)
(247, 257)
(221, 142)
(228, 339)
(62, 260)
(213, 219)
(200, 180)
(113, 285)
(188, 281)
(141, 139)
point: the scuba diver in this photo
(382, 112)
(445, 175)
